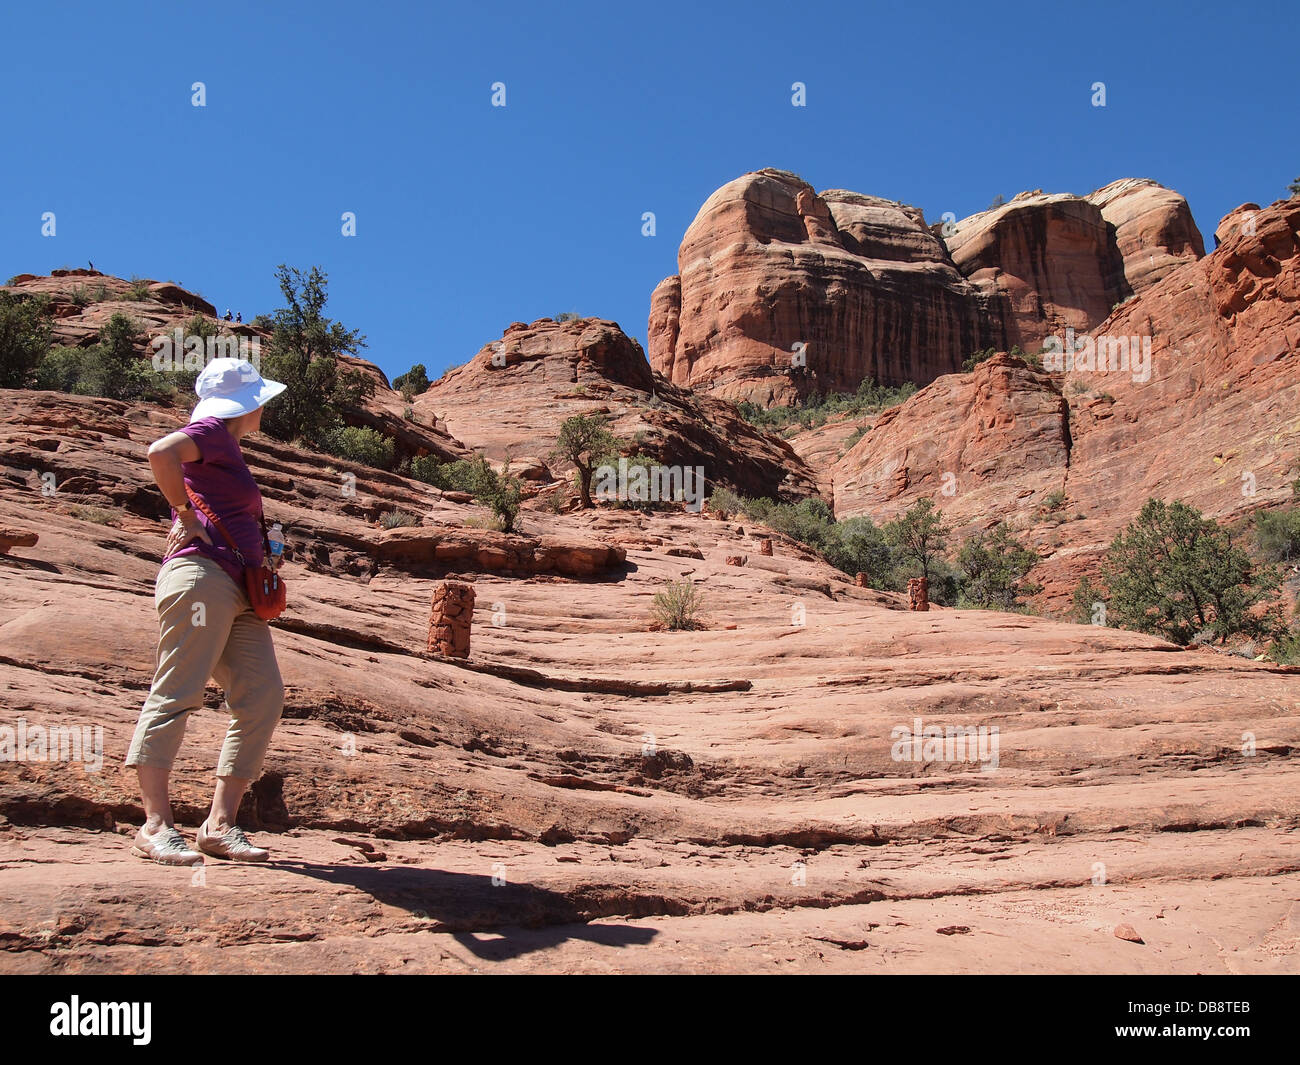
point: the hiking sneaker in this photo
(232, 844)
(166, 847)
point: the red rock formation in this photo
(190, 303)
(1060, 261)
(1238, 220)
(1069, 458)
(765, 546)
(736, 560)
(1048, 260)
(782, 291)
(768, 265)
(486, 550)
(918, 593)
(860, 580)
(1001, 432)
(12, 537)
(664, 329)
(1153, 229)
(511, 398)
(1223, 389)
(451, 619)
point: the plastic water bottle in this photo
(275, 537)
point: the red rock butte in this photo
(859, 286)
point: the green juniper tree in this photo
(994, 565)
(919, 535)
(25, 337)
(1175, 573)
(413, 382)
(113, 367)
(1089, 603)
(586, 442)
(859, 546)
(304, 352)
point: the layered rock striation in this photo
(782, 291)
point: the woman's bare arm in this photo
(165, 458)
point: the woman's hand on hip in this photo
(185, 529)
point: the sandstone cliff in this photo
(782, 291)
(858, 284)
(1055, 261)
(1212, 420)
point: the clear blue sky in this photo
(470, 217)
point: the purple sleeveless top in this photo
(222, 479)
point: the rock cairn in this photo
(450, 621)
(918, 593)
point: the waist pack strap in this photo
(197, 500)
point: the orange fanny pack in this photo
(265, 587)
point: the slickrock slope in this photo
(588, 795)
(513, 395)
(1217, 423)
(871, 291)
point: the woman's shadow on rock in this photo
(524, 916)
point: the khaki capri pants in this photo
(207, 628)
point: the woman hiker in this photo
(207, 627)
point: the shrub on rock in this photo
(677, 606)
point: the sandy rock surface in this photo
(648, 801)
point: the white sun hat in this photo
(228, 388)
